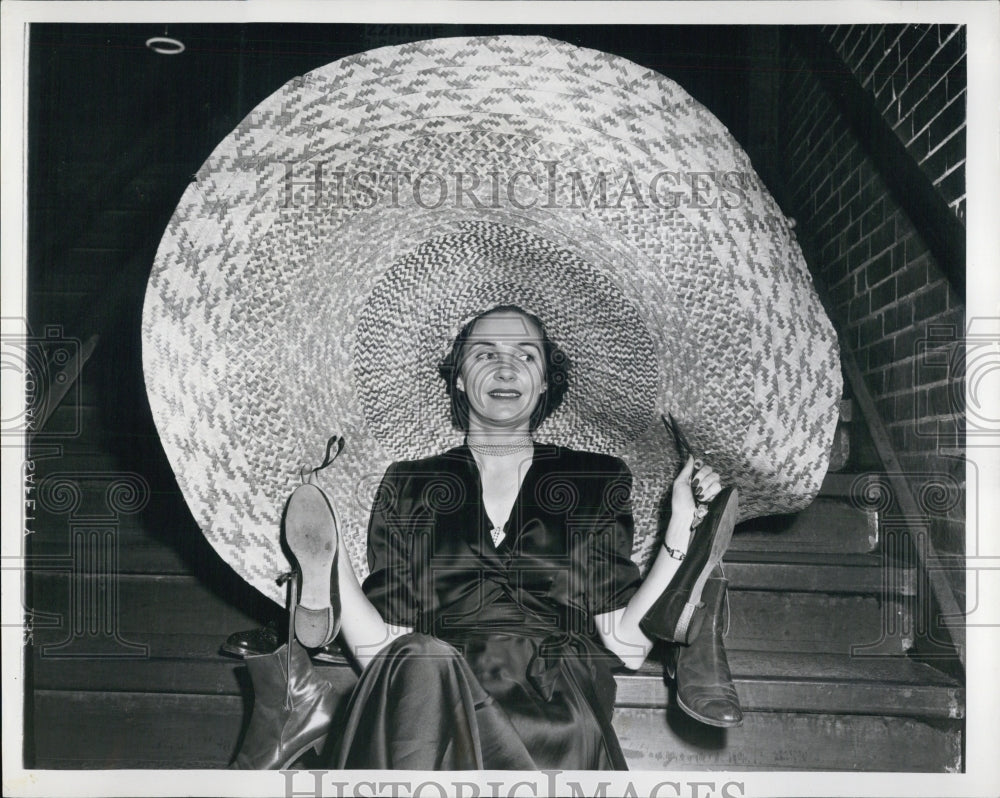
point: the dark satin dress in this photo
(504, 669)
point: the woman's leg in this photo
(363, 631)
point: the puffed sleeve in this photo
(389, 585)
(612, 576)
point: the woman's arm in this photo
(619, 630)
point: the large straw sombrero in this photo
(328, 251)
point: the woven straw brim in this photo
(278, 314)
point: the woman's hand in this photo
(697, 483)
(620, 629)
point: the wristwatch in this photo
(676, 554)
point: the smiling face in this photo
(502, 372)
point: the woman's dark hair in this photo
(557, 367)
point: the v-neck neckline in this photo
(486, 525)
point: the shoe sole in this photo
(243, 651)
(316, 746)
(706, 720)
(238, 651)
(311, 534)
(727, 520)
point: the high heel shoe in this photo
(677, 615)
(292, 711)
(311, 534)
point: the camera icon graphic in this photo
(48, 366)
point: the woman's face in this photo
(502, 371)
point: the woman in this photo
(501, 590)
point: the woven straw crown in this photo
(332, 246)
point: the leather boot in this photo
(678, 614)
(705, 689)
(292, 711)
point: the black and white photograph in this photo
(501, 399)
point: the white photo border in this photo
(982, 776)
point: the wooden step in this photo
(666, 739)
(759, 620)
(141, 730)
(135, 730)
(806, 572)
(214, 675)
(814, 622)
(180, 663)
(818, 683)
(840, 449)
(801, 712)
(141, 553)
(766, 681)
(828, 525)
(150, 604)
(749, 569)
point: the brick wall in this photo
(916, 75)
(886, 292)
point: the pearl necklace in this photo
(497, 533)
(500, 449)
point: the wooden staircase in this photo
(818, 642)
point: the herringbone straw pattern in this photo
(279, 313)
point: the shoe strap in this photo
(293, 603)
(335, 442)
(680, 441)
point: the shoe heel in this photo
(316, 746)
(690, 624)
(311, 534)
